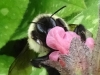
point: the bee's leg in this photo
(61, 23)
(81, 31)
(51, 70)
(37, 61)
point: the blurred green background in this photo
(15, 16)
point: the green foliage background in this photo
(15, 16)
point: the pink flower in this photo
(60, 40)
(54, 56)
(90, 43)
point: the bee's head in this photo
(40, 26)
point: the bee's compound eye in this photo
(52, 21)
(60, 22)
(39, 27)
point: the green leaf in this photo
(44, 6)
(78, 3)
(5, 62)
(89, 2)
(38, 71)
(89, 18)
(11, 14)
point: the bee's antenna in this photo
(58, 10)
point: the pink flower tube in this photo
(60, 40)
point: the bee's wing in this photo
(21, 65)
